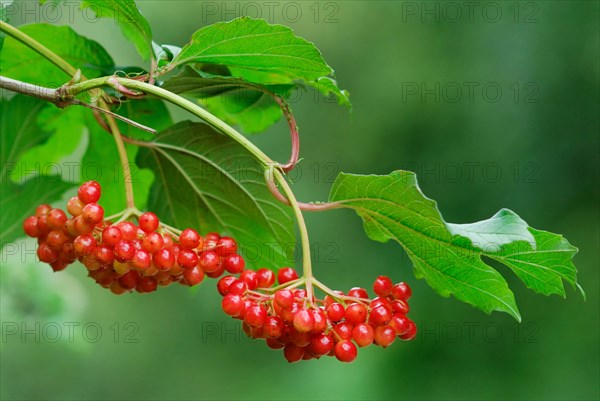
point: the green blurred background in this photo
(525, 138)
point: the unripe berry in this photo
(75, 206)
(148, 222)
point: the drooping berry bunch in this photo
(125, 256)
(310, 328)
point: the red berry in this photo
(411, 332)
(56, 218)
(153, 242)
(111, 235)
(384, 335)
(216, 273)
(320, 320)
(335, 312)
(105, 254)
(209, 261)
(237, 287)
(266, 278)
(124, 251)
(358, 292)
(42, 210)
(142, 260)
(128, 230)
(130, 280)
(363, 334)
(345, 351)
(75, 206)
(89, 192)
(224, 283)
(46, 254)
(193, 276)
(284, 298)
(293, 353)
(401, 291)
(189, 238)
(344, 330)
(146, 284)
(274, 343)
(400, 307)
(210, 241)
(286, 274)
(380, 315)
(148, 222)
(58, 265)
(400, 324)
(30, 226)
(273, 327)
(85, 244)
(56, 239)
(383, 286)
(233, 305)
(304, 321)
(322, 344)
(356, 313)
(226, 246)
(255, 315)
(82, 226)
(251, 278)
(42, 224)
(163, 259)
(187, 258)
(93, 213)
(233, 263)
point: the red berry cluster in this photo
(310, 328)
(126, 256)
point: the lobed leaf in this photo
(205, 180)
(449, 256)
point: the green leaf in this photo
(449, 256)
(20, 133)
(234, 100)
(101, 161)
(261, 53)
(20, 62)
(207, 181)
(66, 128)
(132, 23)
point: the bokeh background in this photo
(526, 137)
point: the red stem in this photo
(285, 108)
